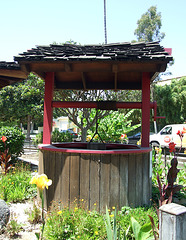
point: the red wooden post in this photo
(48, 110)
(145, 109)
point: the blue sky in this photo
(27, 23)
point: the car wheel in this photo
(154, 144)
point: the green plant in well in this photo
(15, 141)
(15, 187)
(113, 126)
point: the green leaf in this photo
(144, 232)
(125, 235)
(135, 228)
(108, 226)
(115, 227)
(37, 235)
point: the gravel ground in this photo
(19, 212)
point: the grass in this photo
(14, 186)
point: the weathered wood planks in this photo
(97, 180)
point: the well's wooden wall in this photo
(97, 180)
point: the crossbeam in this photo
(94, 104)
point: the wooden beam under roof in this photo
(115, 70)
(25, 68)
(68, 67)
(84, 81)
(13, 73)
(92, 66)
(102, 85)
(161, 68)
(5, 81)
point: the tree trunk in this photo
(28, 127)
(83, 134)
(31, 127)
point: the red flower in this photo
(180, 133)
(3, 138)
(123, 136)
(172, 147)
(184, 130)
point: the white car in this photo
(169, 134)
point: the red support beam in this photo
(145, 109)
(48, 110)
(71, 104)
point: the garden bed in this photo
(19, 212)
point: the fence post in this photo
(172, 222)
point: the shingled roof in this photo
(10, 72)
(110, 52)
(107, 66)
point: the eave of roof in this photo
(10, 72)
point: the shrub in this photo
(38, 139)
(56, 137)
(15, 141)
(61, 136)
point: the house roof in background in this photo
(10, 72)
(168, 81)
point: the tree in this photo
(149, 26)
(23, 102)
(85, 118)
(111, 127)
(171, 101)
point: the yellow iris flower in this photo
(41, 181)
